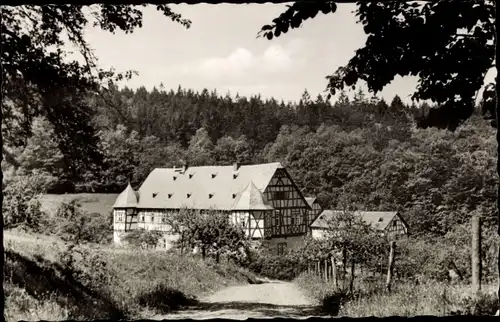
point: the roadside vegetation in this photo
(63, 266)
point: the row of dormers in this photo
(213, 175)
(210, 195)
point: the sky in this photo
(221, 51)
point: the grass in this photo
(45, 281)
(100, 203)
(405, 299)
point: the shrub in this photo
(21, 206)
(141, 238)
(73, 224)
(280, 267)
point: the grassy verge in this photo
(47, 281)
(406, 299)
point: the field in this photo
(46, 280)
(100, 203)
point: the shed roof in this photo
(204, 187)
(377, 219)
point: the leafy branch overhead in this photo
(294, 16)
(41, 79)
(449, 45)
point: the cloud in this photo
(237, 64)
(242, 64)
(276, 59)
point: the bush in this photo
(21, 207)
(73, 224)
(284, 267)
(141, 238)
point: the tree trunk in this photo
(334, 273)
(497, 110)
(217, 257)
(203, 252)
(326, 270)
(476, 255)
(318, 271)
(351, 283)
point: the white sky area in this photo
(220, 51)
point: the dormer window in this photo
(155, 194)
(213, 175)
(170, 195)
(175, 177)
(235, 175)
(210, 195)
(188, 195)
(380, 219)
(234, 195)
(191, 175)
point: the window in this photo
(281, 248)
(296, 217)
(280, 195)
(141, 218)
(163, 218)
(119, 214)
(152, 218)
(277, 219)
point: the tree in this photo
(77, 226)
(449, 45)
(200, 148)
(229, 150)
(39, 80)
(41, 151)
(210, 231)
(21, 205)
(451, 59)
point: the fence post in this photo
(326, 270)
(391, 266)
(334, 273)
(476, 255)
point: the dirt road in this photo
(272, 299)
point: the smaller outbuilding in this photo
(390, 223)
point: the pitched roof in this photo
(126, 199)
(251, 199)
(310, 200)
(377, 219)
(205, 187)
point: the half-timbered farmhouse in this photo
(390, 223)
(262, 198)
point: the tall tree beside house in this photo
(209, 231)
(200, 150)
(229, 150)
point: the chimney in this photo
(235, 166)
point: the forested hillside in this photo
(364, 151)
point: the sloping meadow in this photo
(48, 279)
